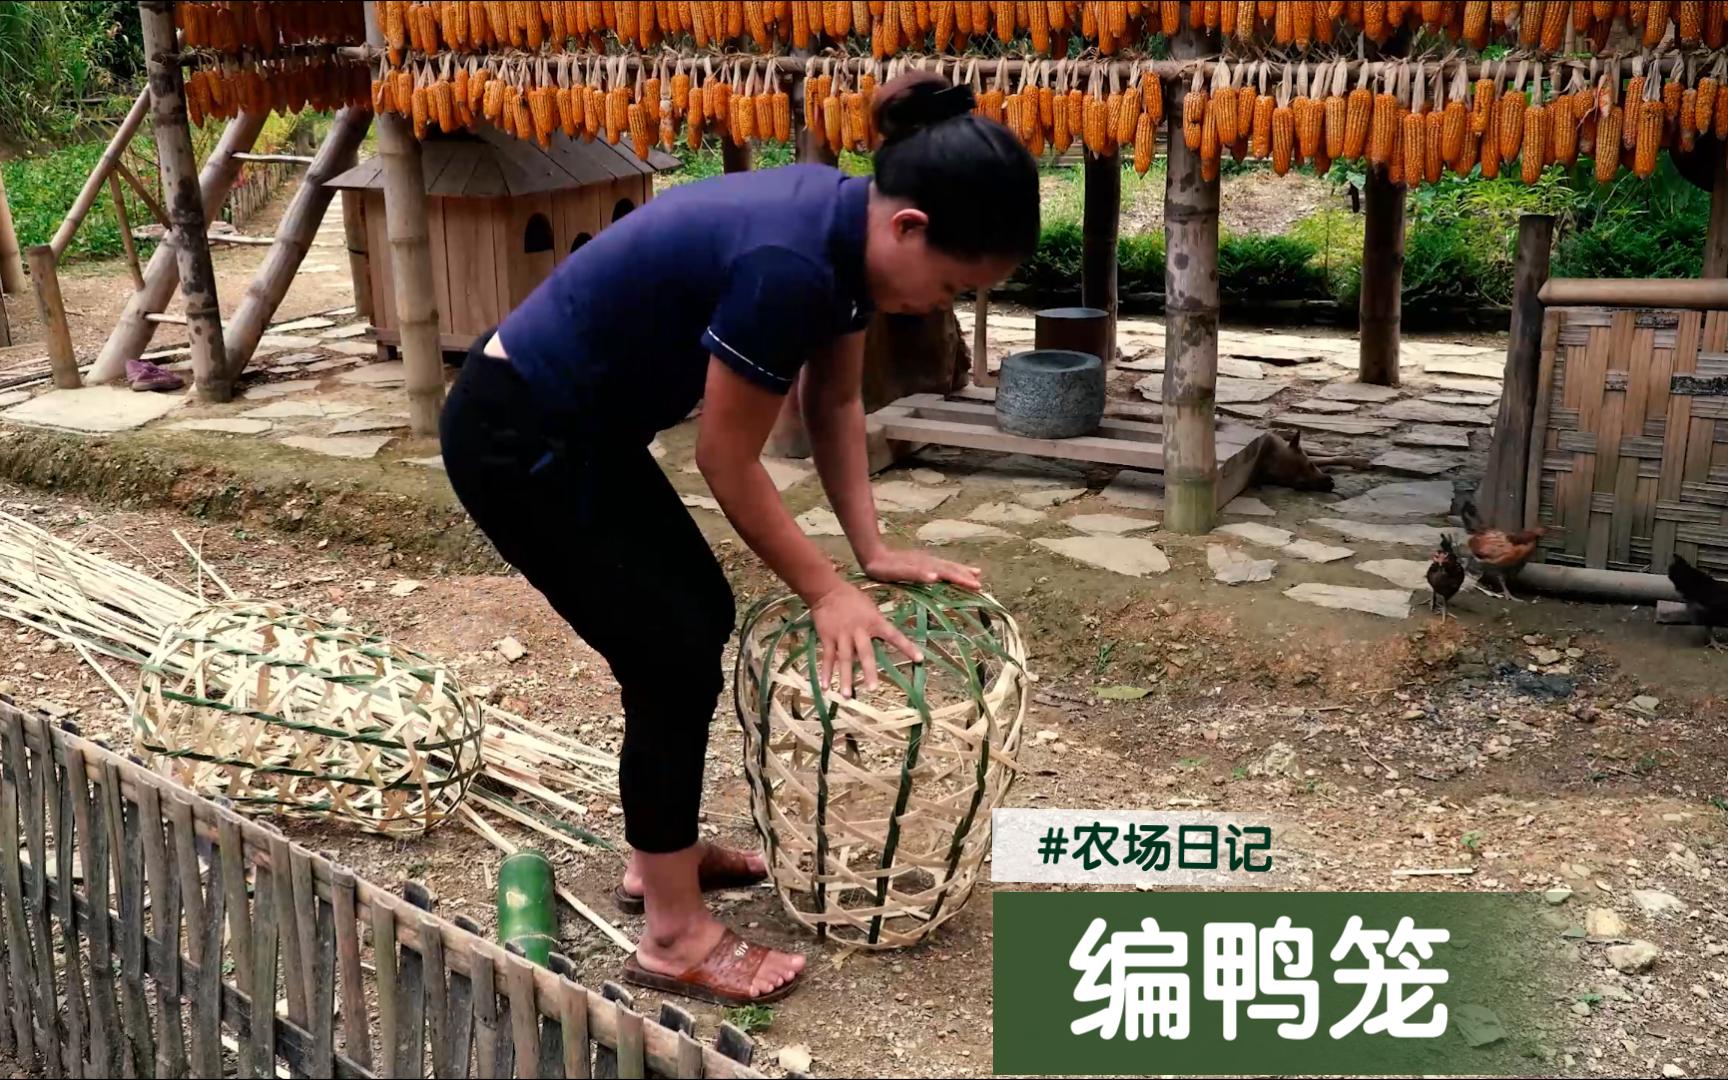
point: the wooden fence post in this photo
(1101, 217)
(51, 309)
(410, 259)
(354, 238)
(1190, 322)
(1501, 496)
(1382, 279)
(294, 235)
(11, 260)
(1716, 235)
(210, 374)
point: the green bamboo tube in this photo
(527, 905)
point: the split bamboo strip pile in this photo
(202, 665)
(875, 811)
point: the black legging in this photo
(591, 521)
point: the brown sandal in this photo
(728, 871)
(722, 978)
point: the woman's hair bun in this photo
(918, 100)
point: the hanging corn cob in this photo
(1358, 116)
(1533, 154)
(1337, 109)
(1310, 117)
(1649, 138)
(1383, 130)
(1222, 102)
(1265, 107)
(1283, 128)
(1193, 114)
(1414, 130)
(1512, 106)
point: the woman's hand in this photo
(920, 566)
(847, 621)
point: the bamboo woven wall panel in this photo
(1633, 451)
(205, 913)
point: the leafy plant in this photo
(1472, 840)
(1265, 267)
(1106, 650)
(750, 1018)
(59, 63)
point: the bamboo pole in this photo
(1190, 323)
(11, 259)
(104, 167)
(211, 376)
(51, 309)
(1382, 279)
(125, 224)
(144, 194)
(134, 329)
(1716, 235)
(5, 323)
(294, 235)
(410, 260)
(1693, 293)
(1501, 495)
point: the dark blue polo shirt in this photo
(757, 268)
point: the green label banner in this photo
(1268, 982)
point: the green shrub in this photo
(1264, 268)
(1635, 228)
(41, 190)
(1336, 236)
(56, 57)
(1140, 263)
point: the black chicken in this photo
(1706, 598)
(1445, 576)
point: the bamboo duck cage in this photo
(875, 810)
(278, 711)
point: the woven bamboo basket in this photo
(875, 811)
(281, 713)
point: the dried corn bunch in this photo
(1649, 138)
(1283, 129)
(1631, 103)
(1193, 114)
(1533, 155)
(1608, 143)
(1455, 120)
(1704, 106)
(1413, 129)
(1383, 125)
(1222, 103)
(1265, 107)
(1246, 99)
(1336, 108)
(1553, 25)
(1144, 136)
(1310, 117)
(444, 99)
(1657, 14)
(617, 108)
(1563, 122)
(1689, 21)
(1358, 117)
(1512, 106)
(1476, 23)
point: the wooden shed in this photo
(501, 213)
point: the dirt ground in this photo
(1418, 744)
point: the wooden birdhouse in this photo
(501, 213)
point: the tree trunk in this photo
(1382, 279)
(294, 235)
(132, 333)
(210, 373)
(734, 158)
(51, 309)
(1501, 496)
(1190, 322)
(1716, 236)
(11, 259)
(1101, 217)
(410, 260)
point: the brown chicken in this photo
(1497, 555)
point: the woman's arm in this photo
(737, 416)
(832, 399)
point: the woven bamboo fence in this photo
(142, 925)
(1631, 455)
